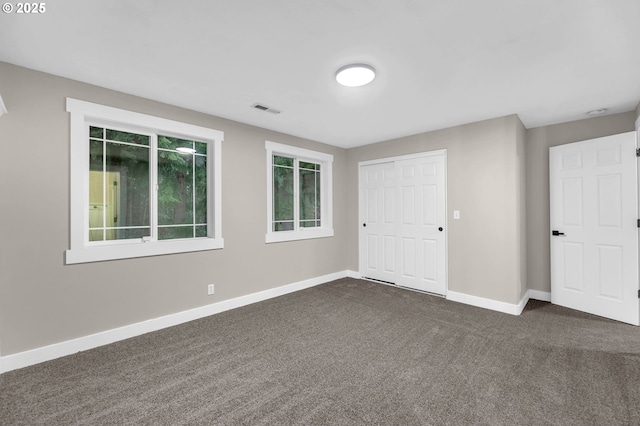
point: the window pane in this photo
(116, 135)
(126, 186)
(283, 226)
(96, 235)
(282, 194)
(309, 197)
(96, 132)
(168, 142)
(201, 148)
(174, 232)
(96, 190)
(119, 186)
(201, 231)
(318, 209)
(282, 161)
(118, 190)
(175, 188)
(309, 166)
(201, 189)
(127, 234)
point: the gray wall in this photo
(485, 170)
(537, 154)
(43, 301)
(497, 178)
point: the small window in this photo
(141, 185)
(299, 184)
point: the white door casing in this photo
(594, 212)
(403, 221)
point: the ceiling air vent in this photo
(265, 108)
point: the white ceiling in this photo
(440, 63)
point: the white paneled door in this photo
(378, 216)
(403, 215)
(594, 227)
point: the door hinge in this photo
(637, 152)
(638, 294)
(638, 223)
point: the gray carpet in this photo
(346, 352)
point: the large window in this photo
(141, 185)
(298, 193)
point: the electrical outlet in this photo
(210, 289)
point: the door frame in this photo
(423, 154)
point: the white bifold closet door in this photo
(403, 214)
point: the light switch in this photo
(456, 214)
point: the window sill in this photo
(307, 234)
(126, 251)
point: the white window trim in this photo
(81, 251)
(326, 193)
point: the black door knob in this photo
(556, 233)
(440, 229)
(364, 224)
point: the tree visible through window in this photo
(141, 185)
(287, 214)
(182, 188)
(283, 219)
(120, 179)
(309, 194)
(298, 193)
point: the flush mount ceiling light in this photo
(185, 150)
(597, 112)
(355, 75)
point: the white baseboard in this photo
(57, 350)
(353, 274)
(494, 305)
(545, 296)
